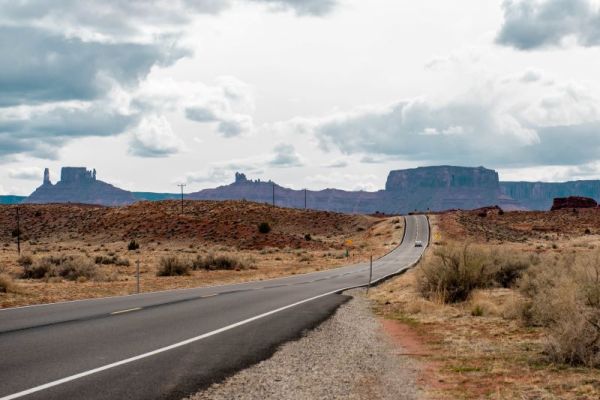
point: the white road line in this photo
(124, 311)
(157, 351)
(209, 295)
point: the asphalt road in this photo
(166, 345)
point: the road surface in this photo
(166, 345)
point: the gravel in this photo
(346, 357)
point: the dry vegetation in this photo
(72, 251)
(501, 310)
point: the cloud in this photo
(532, 24)
(209, 175)
(502, 123)
(228, 124)
(303, 7)
(42, 131)
(154, 138)
(46, 67)
(26, 173)
(339, 163)
(286, 156)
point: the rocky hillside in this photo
(232, 223)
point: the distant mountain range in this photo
(433, 188)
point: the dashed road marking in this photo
(125, 311)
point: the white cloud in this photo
(154, 138)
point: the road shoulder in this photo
(348, 356)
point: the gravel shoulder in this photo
(348, 356)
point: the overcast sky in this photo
(309, 93)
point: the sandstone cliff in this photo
(539, 195)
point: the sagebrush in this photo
(455, 271)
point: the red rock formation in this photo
(573, 202)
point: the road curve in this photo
(166, 345)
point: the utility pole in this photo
(18, 231)
(305, 199)
(273, 194)
(182, 185)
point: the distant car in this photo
(418, 243)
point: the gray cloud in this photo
(467, 132)
(63, 61)
(286, 156)
(531, 24)
(303, 7)
(46, 67)
(42, 133)
(228, 124)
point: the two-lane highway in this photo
(169, 344)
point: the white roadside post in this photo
(137, 272)
(370, 273)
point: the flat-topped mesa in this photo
(77, 174)
(442, 177)
(442, 188)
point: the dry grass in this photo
(482, 348)
(563, 295)
(7, 284)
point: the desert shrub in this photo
(6, 284)
(173, 266)
(477, 311)
(25, 259)
(308, 237)
(111, 260)
(133, 245)
(563, 295)
(66, 267)
(221, 262)
(38, 270)
(76, 268)
(508, 268)
(587, 231)
(456, 271)
(264, 227)
(453, 274)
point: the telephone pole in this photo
(18, 231)
(182, 185)
(305, 199)
(273, 194)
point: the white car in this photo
(418, 243)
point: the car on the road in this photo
(418, 243)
